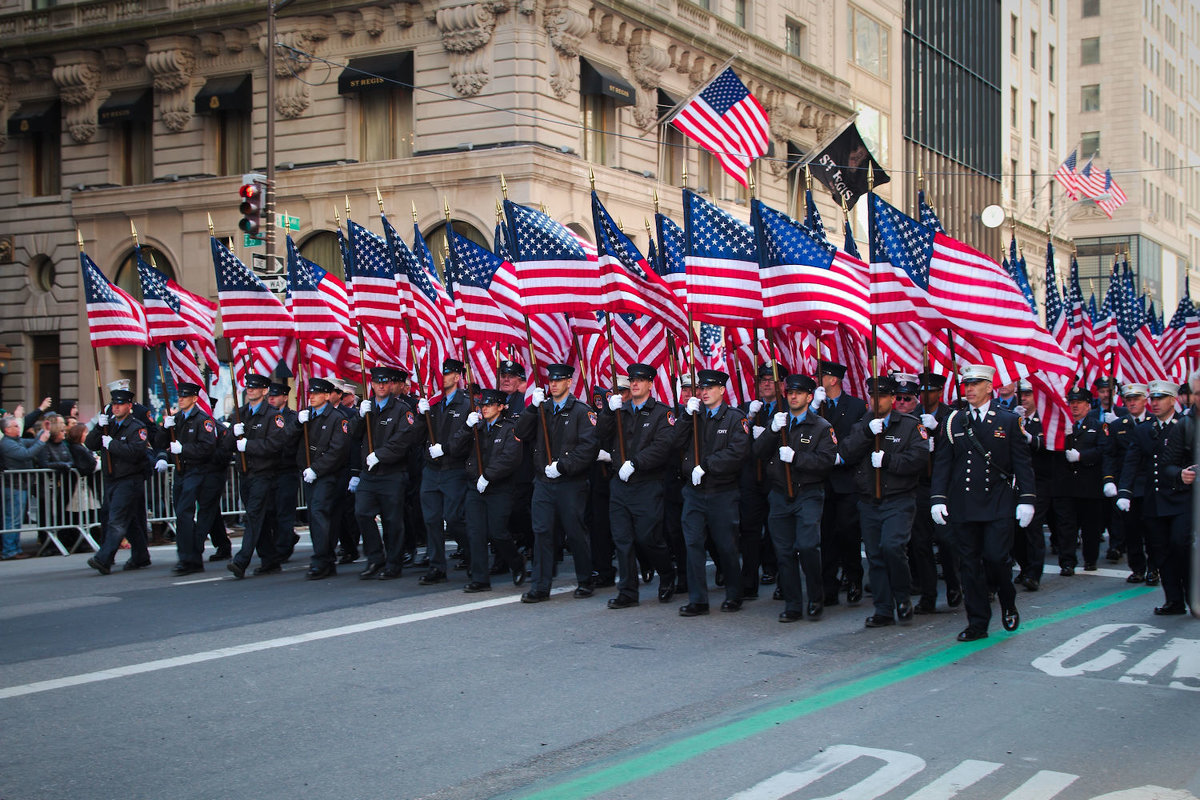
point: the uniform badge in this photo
(999, 434)
(208, 426)
(279, 421)
(142, 434)
(592, 418)
(921, 430)
(345, 426)
(409, 416)
(670, 418)
(746, 425)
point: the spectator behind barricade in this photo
(19, 454)
(68, 410)
(61, 455)
(31, 425)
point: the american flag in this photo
(901, 249)
(432, 328)
(1084, 335)
(375, 297)
(1139, 355)
(710, 349)
(722, 265)
(114, 318)
(805, 280)
(167, 325)
(402, 259)
(201, 314)
(812, 217)
(314, 319)
(1115, 196)
(248, 308)
(318, 303)
(1017, 270)
(471, 272)
(725, 119)
(1104, 324)
(627, 281)
(1089, 182)
(424, 257)
(1177, 345)
(671, 265)
(1067, 178)
(928, 217)
(556, 275)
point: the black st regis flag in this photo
(842, 166)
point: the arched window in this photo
(435, 237)
(127, 277)
(322, 249)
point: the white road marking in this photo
(896, 769)
(200, 580)
(968, 773)
(254, 647)
(1042, 786)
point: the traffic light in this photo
(254, 200)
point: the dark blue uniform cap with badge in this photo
(383, 374)
(319, 385)
(1079, 393)
(121, 396)
(883, 384)
(512, 368)
(833, 368)
(711, 377)
(560, 372)
(185, 389)
(800, 383)
(1102, 383)
(399, 375)
(905, 383)
(766, 371)
(493, 397)
(279, 390)
(451, 365)
(640, 372)
(932, 382)
(254, 381)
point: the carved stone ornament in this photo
(346, 22)
(466, 29)
(291, 98)
(77, 74)
(372, 20)
(566, 28)
(647, 62)
(171, 62)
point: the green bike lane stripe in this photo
(670, 755)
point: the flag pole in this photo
(162, 354)
(299, 383)
(362, 348)
(691, 346)
(612, 352)
(874, 347)
(672, 354)
(96, 362)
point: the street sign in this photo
(289, 223)
(258, 263)
(277, 285)
(251, 241)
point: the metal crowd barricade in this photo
(49, 503)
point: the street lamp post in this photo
(269, 237)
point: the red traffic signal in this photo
(253, 193)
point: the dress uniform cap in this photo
(254, 381)
(1079, 393)
(1185, 388)
(685, 380)
(493, 397)
(383, 374)
(1163, 389)
(319, 385)
(121, 396)
(932, 382)
(452, 365)
(833, 368)
(641, 372)
(883, 384)
(119, 384)
(976, 372)
(905, 383)
(799, 383)
(278, 390)
(1135, 390)
(512, 368)
(185, 389)
(399, 374)
(1102, 383)
(622, 382)
(766, 370)
(1024, 386)
(711, 377)
(560, 372)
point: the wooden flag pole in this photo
(475, 429)
(875, 360)
(96, 363)
(362, 349)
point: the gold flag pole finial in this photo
(920, 178)
(503, 186)
(347, 208)
(337, 218)
(655, 199)
(79, 236)
(870, 177)
(133, 233)
(750, 182)
(845, 209)
(211, 230)
(414, 211)
(592, 178)
(446, 208)
(683, 176)
(808, 177)
(379, 199)
(647, 224)
(499, 212)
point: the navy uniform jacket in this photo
(266, 439)
(1120, 438)
(328, 442)
(905, 445)
(1042, 459)
(849, 410)
(815, 444)
(292, 437)
(1087, 476)
(724, 446)
(572, 437)
(1153, 463)
(129, 453)
(754, 473)
(501, 451)
(447, 418)
(1097, 411)
(972, 487)
(198, 435)
(940, 413)
(395, 430)
(649, 440)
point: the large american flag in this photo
(314, 319)
(1067, 178)
(671, 264)
(726, 120)
(424, 257)
(1141, 361)
(722, 265)
(628, 283)
(1178, 343)
(114, 318)
(556, 275)
(1089, 182)
(805, 280)
(1083, 338)
(1115, 195)
(901, 249)
(259, 327)
(375, 297)
(432, 328)
(167, 325)
(471, 271)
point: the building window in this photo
(1050, 131)
(1033, 120)
(1014, 101)
(739, 13)
(38, 128)
(674, 147)
(1014, 36)
(1090, 97)
(1033, 50)
(868, 43)
(873, 124)
(1091, 8)
(386, 126)
(705, 4)
(795, 39)
(1089, 51)
(322, 249)
(1013, 189)
(1050, 7)
(1089, 144)
(1050, 64)
(133, 153)
(45, 363)
(232, 142)
(228, 101)
(708, 174)
(601, 92)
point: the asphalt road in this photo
(139, 685)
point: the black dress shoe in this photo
(622, 601)
(971, 635)
(879, 621)
(904, 612)
(432, 577)
(1136, 577)
(791, 616)
(954, 597)
(131, 565)
(264, 569)
(1113, 556)
(1067, 572)
(348, 558)
(1010, 618)
(777, 594)
(693, 610)
(1090, 566)
(922, 608)
(535, 596)
(815, 610)
(389, 574)
(584, 590)
(1152, 577)
(854, 593)
(238, 570)
(475, 587)
(221, 555)
(370, 572)
(1033, 584)
(518, 571)
(666, 591)
(186, 569)
(767, 578)
(731, 605)
(320, 573)
(1171, 609)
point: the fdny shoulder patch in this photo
(345, 426)
(670, 418)
(279, 421)
(1105, 427)
(832, 436)
(746, 426)
(408, 416)
(142, 434)
(921, 430)
(592, 418)
(208, 425)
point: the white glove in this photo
(106, 441)
(364, 408)
(877, 459)
(372, 460)
(1072, 455)
(758, 430)
(929, 421)
(755, 406)
(693, 405)
(614, 402)
(99, 461)
(818, 397)
(931, 444)
(779, 421)
(939, 513)
(436, 451)
(309, 476)
(604, 456)
(1024, 515)
(552, 471)
(786, 454)
(102, 419)
(876, 425)
(1021, 412)
(160, 465)
(473, 419)
(303, 416)
(625, 471)
(1110, 417)
(481, 484)
(1123, 504)
(697, 475)
(239, 429)
(353, 487)
(176, 447)
(241, 445)
(539, 397)
(1110, 489)
(169, 421)
(422, 406)
(1028, 437)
